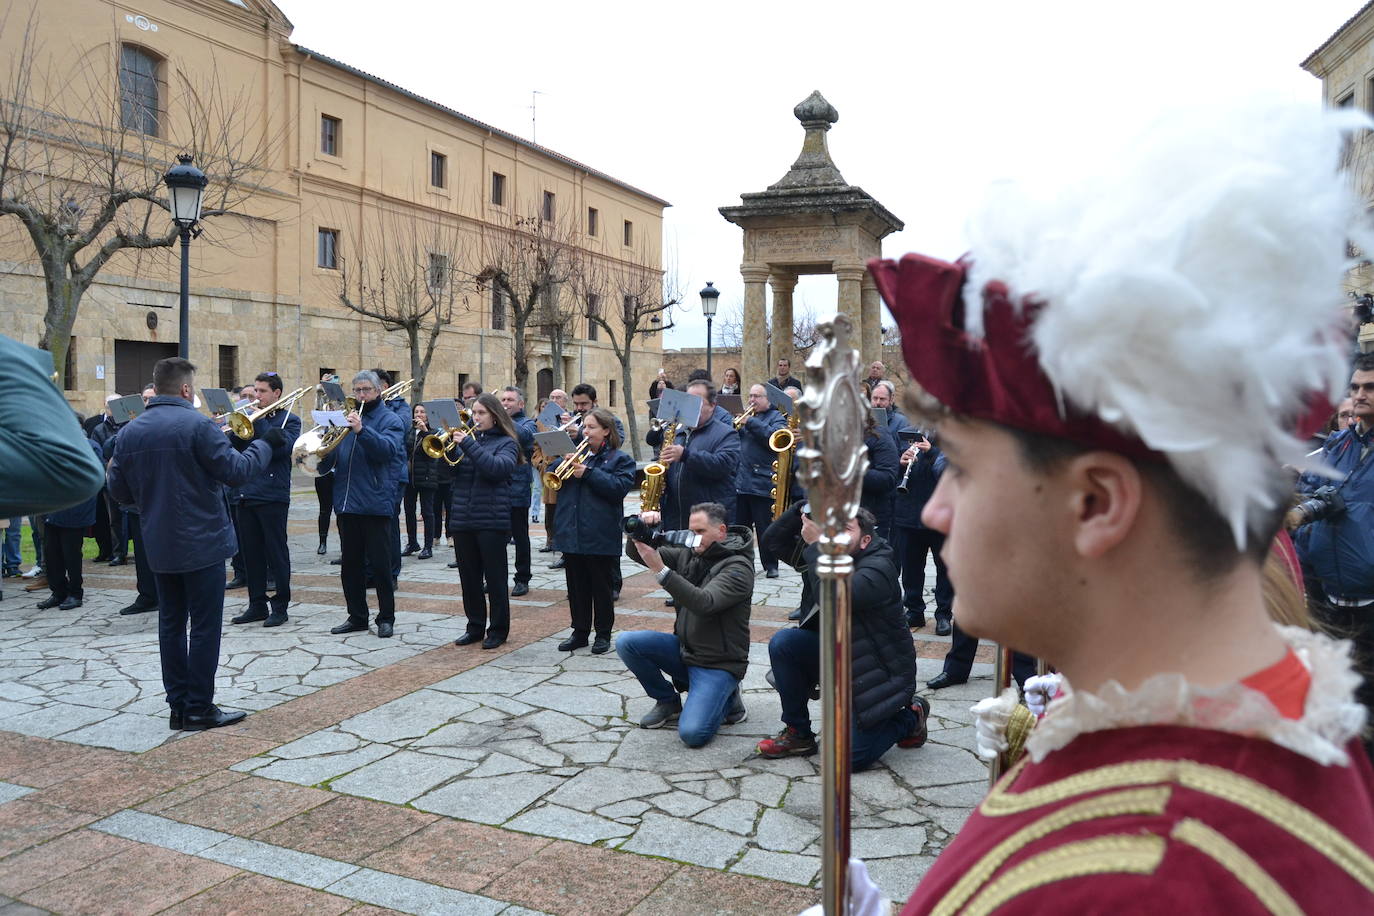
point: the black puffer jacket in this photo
(884, 657)
(423, 470)
(481, 482)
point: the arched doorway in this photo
(543, 384)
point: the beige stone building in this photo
(346, 158)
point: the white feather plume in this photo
(1194, 291)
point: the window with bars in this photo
(228, 366)
(330, 128)
(629, 233)
(627, 309)
(593, 221)
(140, 95)
(498, 310)
(498, 189)
(69, 370)
(438, 170)
(611, 386)
(327, 249)
(550, 205)
(437, 274)
(593, 311)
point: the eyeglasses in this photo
(363, 389)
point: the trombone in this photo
(438, 445)
(398, 390)
(553, 480)
(241, 424)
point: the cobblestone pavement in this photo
(410, 775)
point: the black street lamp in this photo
(185, 191)
(709, 295)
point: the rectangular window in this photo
(629, 233)
(228, 368)
(437, 274)
(550, 205)
(327, 250)
(498, 189)
(612, 387)
(593, 221)
(462, 380)
(498, 310)
(438, 170)
(627, 310)
(140, 102)
(329, 135)
(593, 311)
(69, 371)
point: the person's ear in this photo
(1105, 491)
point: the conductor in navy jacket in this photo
(172, 462)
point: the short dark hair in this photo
(1202, 532)
(1364, 362)
(384, 377)
(710, 395)
(271, 378)
(868, 522)
(697, 375)
(714, 512)
(583, 389)
(606, 420)
(171, 373)
(475, 387)
(515, 390)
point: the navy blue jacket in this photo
(590, 509)
(275, 485)
(81, 515)
(576, 434)
(706, 473)
(755, 473)
(401, 471)
(366, 464)
(481, 482)
(924, 476)
(522, 478)
(172, 462)
(1339, 550)
(880, 481)
(895, 424)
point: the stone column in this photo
(871, 348)
(783, 284)
(851, 280)
(755, 363)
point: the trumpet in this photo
(438, 445)
(241, 424)
(744, 417)
(553, 480)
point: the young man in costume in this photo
(1198, 758)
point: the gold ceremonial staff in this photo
(832, 459)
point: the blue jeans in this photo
(194, 599)
(796, 658)
(710, 691)
(10, 558)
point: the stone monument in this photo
(810, 222)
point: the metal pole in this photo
(1001, 680)
(833, 573)
(708, 349)
(184, 350)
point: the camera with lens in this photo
(655, 536)
(1325, 502)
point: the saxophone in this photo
(655, 475)
(783, 443)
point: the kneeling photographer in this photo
(709, 570)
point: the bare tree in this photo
(406, 276)
(83, 150)
(628, 300)
(730, 328)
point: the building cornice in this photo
(1308, 62)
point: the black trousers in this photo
(119, 534)
(550, 509)
(426, 500)
(237, 562)
(520, 531)
(62, 560)
(395, 533)
(262, 534)
(1357, 625)
(365, 537)
(757, 512)
(442, 508)
(194, 599)
(482, 570)
(912, 545)
(147, 582)
(104, 542)
(589, 592)
(959, 659)
(324, 492)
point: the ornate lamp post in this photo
(709, 295)
(185, 191)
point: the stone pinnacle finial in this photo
(815, 111)
(814, 167)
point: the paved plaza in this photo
(409, 775)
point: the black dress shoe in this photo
(174, 720)
(69, 604)
(453, 565)
(491, 642)
(48, 603)
(101, 558)
(275, 619)
(322, 549)
(338, 562)
(557, 564)
(601, 645)
(943, 680)
(117, 561)
(215, 718)
(236, 582)
(137, 608)
(425, 554)
(410, 548)
(383, 631)
(467, 639)
(572, 642)
(943, 627)
(670, 603)
(349, 627)
(795, 615)
(271, 585)
(520, 588)
(915, 621)
(770, 573)
(615, 594)
(252, 615)
(547, 548)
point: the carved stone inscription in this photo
(797, 244)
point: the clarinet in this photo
(906, 475)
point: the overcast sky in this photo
(693, 101)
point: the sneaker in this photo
(737, 712)
(788, 743)
(34, 573)
(662, 713)
(918, 734)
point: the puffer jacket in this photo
(713, 591)
(880, 480)
(1338, 551)
(882, 652)
(365, 464)
(706, 472)
(481, 482)
(590, 508)
(522, 478)
(274, 485)
(754, 475)
(422, 471)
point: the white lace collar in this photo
(1330, 718)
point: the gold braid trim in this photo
(1132, 801)
(1235, 860)
(1218, 782)
(1107, 855)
